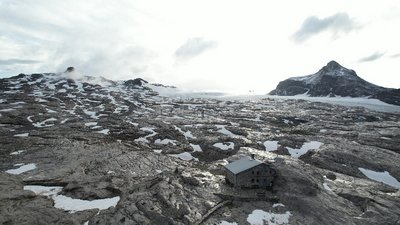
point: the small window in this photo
(257, 180)
(252, 172)
(252, 180)
(258, 172)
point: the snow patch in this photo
(43, 123)
(91, 114)
(22, 135)
(90, 124)
(50, 85)
(147, 129)
(121, 108)
(51, 111)
(385, 138)
(187, 134)
(223, 222)
(70, 204)
(196, 148)
(40, 100)
(260, 217)
(17, 103)
(29, 119)
(383, 177)
(271, 146)
(223, 130)
(134, 124)
(6, 110)
(223, 146)
(257, 119)
(104, 131)
(296, 153)
(165, 142)
(17, 152)
(327, 187)
(186, 156)
(278, 205)
(22, 168)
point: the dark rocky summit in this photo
(72, 146)
(335, 80)
(70, 69)
(135, 82)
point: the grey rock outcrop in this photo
(135, 82)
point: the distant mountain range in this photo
(335, 80)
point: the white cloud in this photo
(5, 62)
(194, 47)
(340, 22)
(373, 57)
(397, 55)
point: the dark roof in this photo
(242, 164)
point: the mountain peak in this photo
(135, 82)
(332, 66)
(331, 80)
(70, 69)
(333, 63)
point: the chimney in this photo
(252, 156)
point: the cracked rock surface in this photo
(163, 156)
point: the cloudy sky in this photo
(224, 45)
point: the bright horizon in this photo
(229, 46)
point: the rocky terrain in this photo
(335, 80)
(85, 150)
